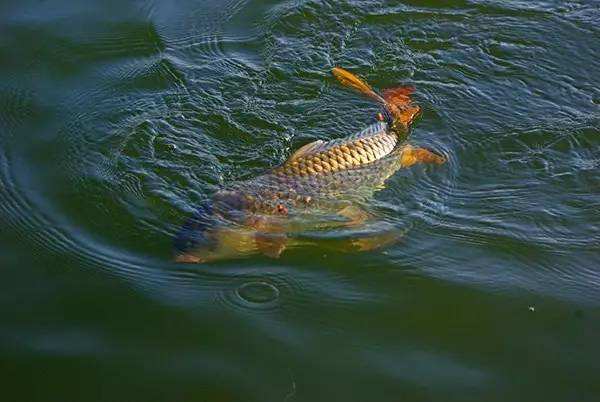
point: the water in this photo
(116, 119)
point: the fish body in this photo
(329, 177)
(318, 173)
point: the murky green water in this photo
(117, 118)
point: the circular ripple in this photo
(258, 292)
(169, 112)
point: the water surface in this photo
(117, 118)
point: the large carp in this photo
(322, 184)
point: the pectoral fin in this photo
(411, 155)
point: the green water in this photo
(117, 118)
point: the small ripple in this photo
(176, 116)
(252, 295)
(47, 229)
(17, 106)
(119, 40)
(258, 292)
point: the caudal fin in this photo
(348, 79)
(399, 96)
(399, 104)
(397, 100)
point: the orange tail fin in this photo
(399, 96)
(348, 79)
(399, 104)
(396, 100)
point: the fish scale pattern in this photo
(277, 194)
(320, 174)
(367, 146)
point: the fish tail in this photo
(396, 101)
(399, 104)
(348, 79)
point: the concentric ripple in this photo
(258, 292)
(172, 112)
(118, 119)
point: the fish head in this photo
(223, 242)
(214, 232)
(195, 233)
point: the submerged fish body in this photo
(259, 214)
(323, 176)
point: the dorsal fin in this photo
(305, 150)
(399, 96)
(348, 79)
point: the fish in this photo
(321, 185)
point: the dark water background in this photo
(116, 118)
